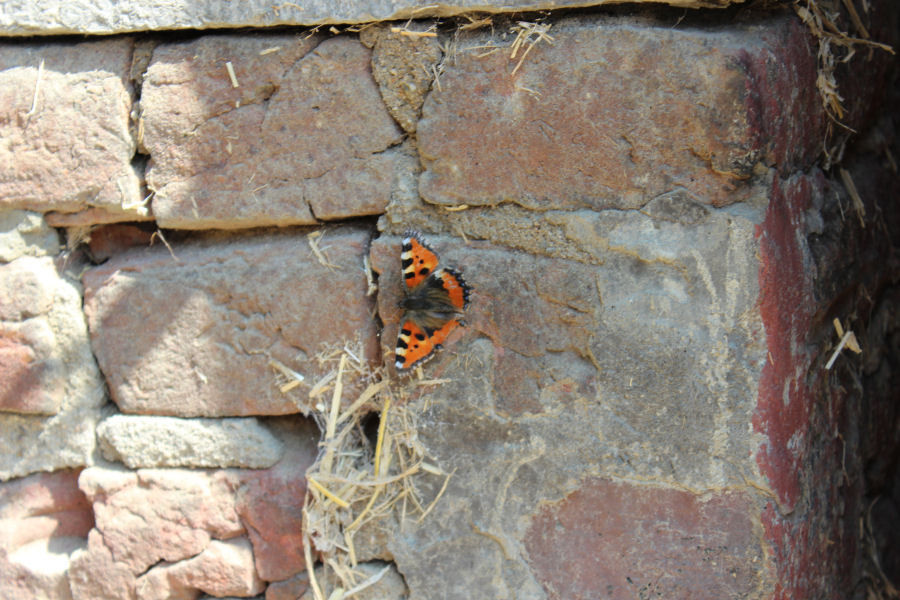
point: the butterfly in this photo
(433, 303)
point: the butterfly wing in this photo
(417, 260)
(416, 345)
(455, 286)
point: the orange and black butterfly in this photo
(433, 303)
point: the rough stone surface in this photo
(47, 368)
(141, 442)
(24, 233)
(224, 568)
(212, 320)
(95, 575)
(389, 587)
(289, 589)
(158, 584)
(614, 113)
(662, 543)
(42, 506)
(44, 519)
(46, 17)
(596, 356)
(168, 514)
(270, 502)
(304, 137)
(404, 67)
(39, 569)
(830, 436)
(74, 150)
(34, 379)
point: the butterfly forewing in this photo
(417, 260)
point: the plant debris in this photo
(352, 484)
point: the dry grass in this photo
(352, 484)
(836, 46)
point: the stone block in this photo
(303, 137)
(25, 233)
(153, 515)
(66, 123)
(211, 318)
(44, 17)
(46, 368)
(613, 113)
(148, 442)
(640, 362)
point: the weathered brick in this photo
(167, 514)
(621, 540)
(43, 506)
(46, 368)
(194, 335)
(141, 441)
(613, 113)
(304, 137)
(270, 503)
(24, 233)
(74, 150)
(40, 16)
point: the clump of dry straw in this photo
(352, 484)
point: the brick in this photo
(615, 113)
(152, 515)
(305, 136)
(127, 16)
(270, 504)
(211, 321)
(83, 104)
(33, 378)
(621, 540)
(43, 506)
(24, 233)
(151, 441)
(51, 390)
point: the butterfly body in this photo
(433, 303)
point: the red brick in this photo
(305, 136)
(209, 321)
(612, 114)
(42, 506)
(621, 540)
(76, 149)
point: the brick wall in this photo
(659, 222)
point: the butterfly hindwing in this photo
(455, 286)
(416, 345)
(417, 260)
